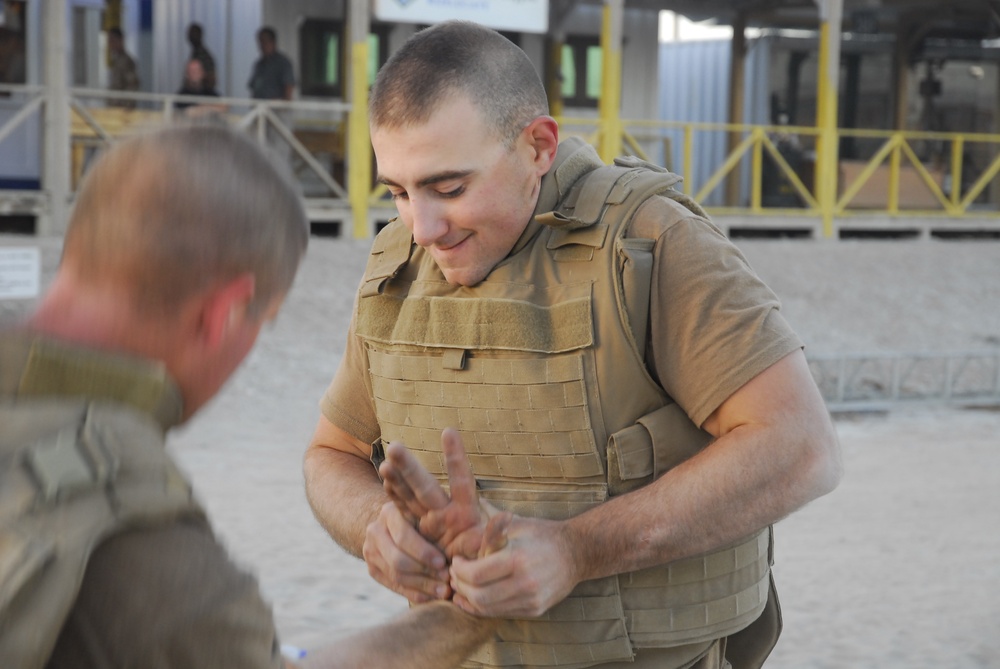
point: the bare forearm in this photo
(430, 636)
(345, 494)
(775, 451)
(737, 486)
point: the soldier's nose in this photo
(429, 224)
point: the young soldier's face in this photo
(464, 195)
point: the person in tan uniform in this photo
(623, 382)
(123, 72)
(182, 244)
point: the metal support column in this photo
(553, 74)
(56, 166)
(359, 152)
(611, 81)
(828, 79)
(737, 80)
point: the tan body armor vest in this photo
(540, 367)
(73, 472)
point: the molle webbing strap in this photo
(521, 417)
(592, 612)
(710, 595)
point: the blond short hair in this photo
(173, 212)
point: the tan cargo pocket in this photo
(543, 502)
(657, 442)
(636, 258)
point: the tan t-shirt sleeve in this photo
(347, 402)
(714, 325)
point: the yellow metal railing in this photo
(939, 176)
(908, 173)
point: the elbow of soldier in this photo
(824, 466)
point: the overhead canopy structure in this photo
(932, 19)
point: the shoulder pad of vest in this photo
(633, 162)
(609, 185)
(390, 252)
(71, 460)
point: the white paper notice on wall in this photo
(529, 16)
(20, 271)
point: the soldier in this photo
(272, 77)
(181, 245)
(624, 382)
(124, 75)
(201, 53)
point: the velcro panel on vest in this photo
(588, 627)
(519, 417)
(480, 324)
(707, 596)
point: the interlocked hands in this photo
(500, 564)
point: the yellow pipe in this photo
(789, 173)
(956, 171)
(553, 84)
(852, 189)
(730, 162)
(981, 183)
(926, 176)
(359, 143)
(611, 86)
(894, 180)
(756, 174)
(826, 112)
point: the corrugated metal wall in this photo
(229, 28)
(694, 86)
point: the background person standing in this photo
(201, 54)
(124, 74)
(273, 77)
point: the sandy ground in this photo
(899, 567)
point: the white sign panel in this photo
(20, 268)
(528, 16)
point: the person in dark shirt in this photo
(195, 83)
(273, 77)
(201, 54)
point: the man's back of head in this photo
(177, 210)
(458, 57)
(181, 244)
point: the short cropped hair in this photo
(269, 33)
(170, 213)
(463, 57)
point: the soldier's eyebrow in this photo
(431, 180)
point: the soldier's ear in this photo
(224, 307)
(542, 137)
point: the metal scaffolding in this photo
(858, 381)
